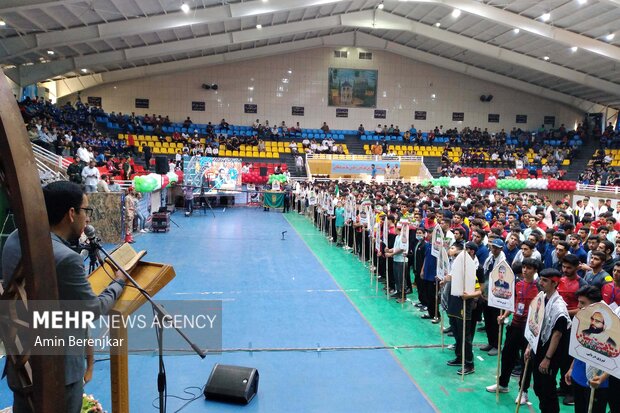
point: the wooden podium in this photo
(150, 276)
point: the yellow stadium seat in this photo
(261, 154)
(565, 162)
(242, 154)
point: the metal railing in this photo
(599, 188)
(50, 157)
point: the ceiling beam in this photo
(40, 71)
(73, 85)
(383, 20)
(350, 39)
(366, 40)
(9, 6)
(510, 19)
(19, 45)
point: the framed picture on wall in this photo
(250, 108)
(521, 119)
(198, 106)
(94, 101)
(549, 120)
(380, 113)
(353, 88)
(342, 113)
(419, 115)
(298, 111)
(142, 103)
(458, 116)
(493, 117)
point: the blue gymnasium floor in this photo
(275, 295)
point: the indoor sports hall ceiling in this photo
(562, 49)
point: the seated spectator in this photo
(261, 145)
(325, 128)
(223, 124)
(306, 143)
(296, 128)
(255, 125)
(360, 130)
(293, 147)
(187, 123)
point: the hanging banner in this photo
(273, 199)
(595, 336)
(535, 318)
(501, 287)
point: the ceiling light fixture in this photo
(516, 30)
(50, 52)
(456, 13)
(259, 26)
(380, 6)
(582, 1)
(610, 37)
(185, 8)
(545, 17)
(437, 24)
(84, 70)
(574, 49)
(2, 22)
(546, 58)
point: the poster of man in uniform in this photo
(535, 317)
(437, 242)
(594, 338)
(501, 287)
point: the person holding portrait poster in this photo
(464, 286)
(493, 261)
(515, 343)
(546, 354)
(398, 252)
(583, 375)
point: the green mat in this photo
(400, 325)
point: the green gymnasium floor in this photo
(402, 326)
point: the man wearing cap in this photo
(491, 313)
(546, 360)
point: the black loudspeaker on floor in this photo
(232, 384)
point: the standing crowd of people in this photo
(570, 254)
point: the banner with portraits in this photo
(443, 264)
(437, 242)
(535, 318)
(501, 287)
(595, 338)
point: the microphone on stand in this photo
(90, 233)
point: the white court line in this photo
(265, 292)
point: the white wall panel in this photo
(404, 86)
